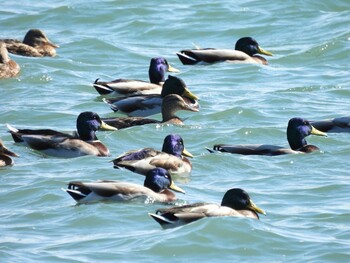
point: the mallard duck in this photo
(5, 159)
(156, 72)
(54, 143)
(171, 104)
(8, 68)
(245, 52)
(156, 187)
(35, 44)
(236, 202)
(172, 158)
(341, 124)
(297, 130)
(146, 105)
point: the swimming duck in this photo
(171, 104)
(236, 202)
(5, 159)
(54, 143)
(146, 105)
(297, 130)
(341, 124)
(245, 52)
(156, 187)
(172, 158)
(35, 44)
(156, 72)
(8, 68)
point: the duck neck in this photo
(296, 141)
(87, 134)
(168, 114)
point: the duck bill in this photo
(52, 44)
(174, 187)
(8, 152)
(106, 127)
(314, 131)
(255, 208)
(186, 153)
(172, 69)
(188, 94)
(264, 52)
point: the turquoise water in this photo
(306, 197)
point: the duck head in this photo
(173, 144)
(157, 69)
(250, 46)
(297, 130)
(88, 123)
(175, 85)
(239, 199)
(159, 179)
(36, 37)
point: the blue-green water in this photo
(306, 196)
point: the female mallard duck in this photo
(5, 159)
(35, 44)
(156, 72)
(171, 104)
(297, 130)
(236, 202)
(146, 105)
(156, 187)
(245, 52)
(59, 144)
(172, 158)
(8, 68)
(341, 124)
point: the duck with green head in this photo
(156, 188)
(235, 203)
(146, 105)
(58, 144)
(125, 87)
(297, 130)
(245, 51)
(35, 44)
(172, 158)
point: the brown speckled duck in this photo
(5, 159)
(35, 44)
(171, 104)
(8, 68)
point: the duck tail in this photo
(111, 105)
(186, 59)
(161, 219)
(15, 133)
(101, 88)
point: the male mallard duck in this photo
(297, 130)
(8, 68)
(171, 104)
(245, 52)
(35, 44)
(5, 154)
(172, 158)
(156, 72)
(146, 105)
(156, 187)
(341, 124)
(236, 202)
(59, 144)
